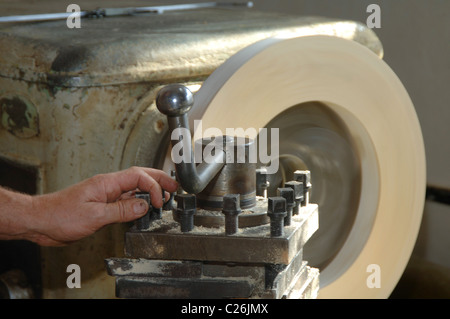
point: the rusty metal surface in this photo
(279, 278)
(145, 278)
(201, 288)
(249, 245)
(153, 268)
(19, 116)
(166, 47)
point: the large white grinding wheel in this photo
(344, 115)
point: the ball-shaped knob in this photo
(174, 100)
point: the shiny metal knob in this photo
(174, 100)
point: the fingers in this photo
(166, 182)
(128, 195)
(145, 179)
(154, 183)
(125, 210)
(166, 196)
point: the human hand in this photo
(82, 209)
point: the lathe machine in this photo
(347, 194)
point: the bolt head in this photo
(174, 100)
(304, 177)
(276, 206)
(231, 203)
(143, 195)
(186, 202)
(262, 177)
(297, 187)
(288, 194)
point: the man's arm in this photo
(78, 211)
(12, 216)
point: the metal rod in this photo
(194, 178)
(40, 17)
(107, 12)
(175, 101)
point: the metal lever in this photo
(175, 101)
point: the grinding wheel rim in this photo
(368, 95)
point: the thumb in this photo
(125, 210)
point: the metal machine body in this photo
(75, 103)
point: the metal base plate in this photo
(164, 240)
(144, 278)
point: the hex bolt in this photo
(144, 221)
(261, 182)
(276, 212)
(186, 208)
(157, 212)
(231, 210)
(169, 204)
(288, 194)
(305, 178)
(298, 194)
(179, 190)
